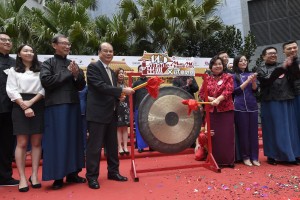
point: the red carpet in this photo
(242, 182)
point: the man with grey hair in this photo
(102, 100)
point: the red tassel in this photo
(192, 105)
(153, 86)
(201, 153)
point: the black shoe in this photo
(231, 166)
(227, 166)
(117, 177)
(38, 185)
(10, 182)
(294, 163)
(126, 153)
(93, 184)
(75, 179)
(24, 189)
(121, 153)
(57, 184)
(271, 161)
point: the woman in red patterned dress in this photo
(220, 88)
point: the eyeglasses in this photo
(272, 54)
(5, 40)
(65, 43)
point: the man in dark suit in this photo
(102, 100)
(6, 127)
(187, 83)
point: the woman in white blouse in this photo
(25, 90)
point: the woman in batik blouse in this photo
(220, 89)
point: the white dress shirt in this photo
(28, 82)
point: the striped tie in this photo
(109, 75)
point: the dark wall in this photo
(274, 21)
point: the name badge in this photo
(220, 82)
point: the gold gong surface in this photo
(157, 120)
(164, 122)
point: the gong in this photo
(164, 122)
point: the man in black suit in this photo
(102, 100)
(187, 83)
(6, 127)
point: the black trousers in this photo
(6, 146)
(99, 135)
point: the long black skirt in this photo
(23, 125)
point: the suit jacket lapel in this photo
(103, 72)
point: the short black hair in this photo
(213, 60)
(289, 42)
(264, 51)
(221, 52)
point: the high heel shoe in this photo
(38, 185)
(24, 189)
(121, 153)
(126, 152)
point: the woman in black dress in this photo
(25, 90)
(123, 116)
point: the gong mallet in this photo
(193, 104)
